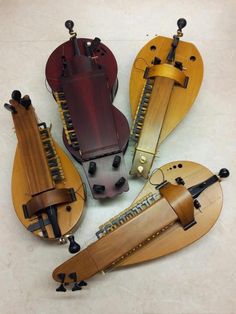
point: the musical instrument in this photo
(47, 190)
(82, 74)
(165, 79)
(179, 204)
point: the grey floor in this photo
(198, 279)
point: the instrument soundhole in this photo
(192, 58)
(153, 47)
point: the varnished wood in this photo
(151, 130)
(176, 237)
(31, 149)
(180, 98)
(34, 187)
(155, 231)
(67, 220)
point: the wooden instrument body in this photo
(155, 231)
(100, 130)
(28, 178)
(171, 102)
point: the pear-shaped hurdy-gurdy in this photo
(47, 190)
(178, 205)
(165, 80)
(82, 74)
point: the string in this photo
(85, 191)
(153, 172)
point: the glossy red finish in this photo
(101, 131)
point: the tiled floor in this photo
(199, 279)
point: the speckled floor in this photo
(199, 279)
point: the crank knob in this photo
(69, 25)
(16, 95)
(224, 173)
(74, 247)
(25, 101)
(181, 23)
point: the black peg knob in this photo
(181, 23)
(116, 161)
(180, 181)
(120, 182)
(69, 25)
(10, 108)
(61, 277)
(76, 285)
(156, 61)
(224, 173)
(196, 204)
(25, 102)
(179, 65)
(82, 283)
(16, 95)
(99, 188)
(74, 247)
(92, 168)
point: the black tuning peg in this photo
(120, 182)
(16, 95)
(77, 285)
(92, 168)
(69, 25)
(197, 204)
(25, 102)
(116, 161)
(10, 108)
(98, 188)
(74, 247)
(180, 181)
(61, 288)
(224, 173)
(181, 23)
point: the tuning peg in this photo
(99, 188)
(74, 247)
(10, 108)
(224, 173)
(76, 285)
(16, 95)
(120, 182)
(69, 25)
(83, 283)
(92, 168)
(197, 205)
(25, 102)
(116, 161)
(61, 288)
(180, 181)
(181, 23)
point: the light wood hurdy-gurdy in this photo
(178, 205)
(47, 190)
(165, 80)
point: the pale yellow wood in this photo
(176, 238)
(151, 129)
(181, 99)
(67, 220)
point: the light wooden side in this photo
(176, 238)
(153, 123)
(21, 194)
(181, 99)
(33, 158)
